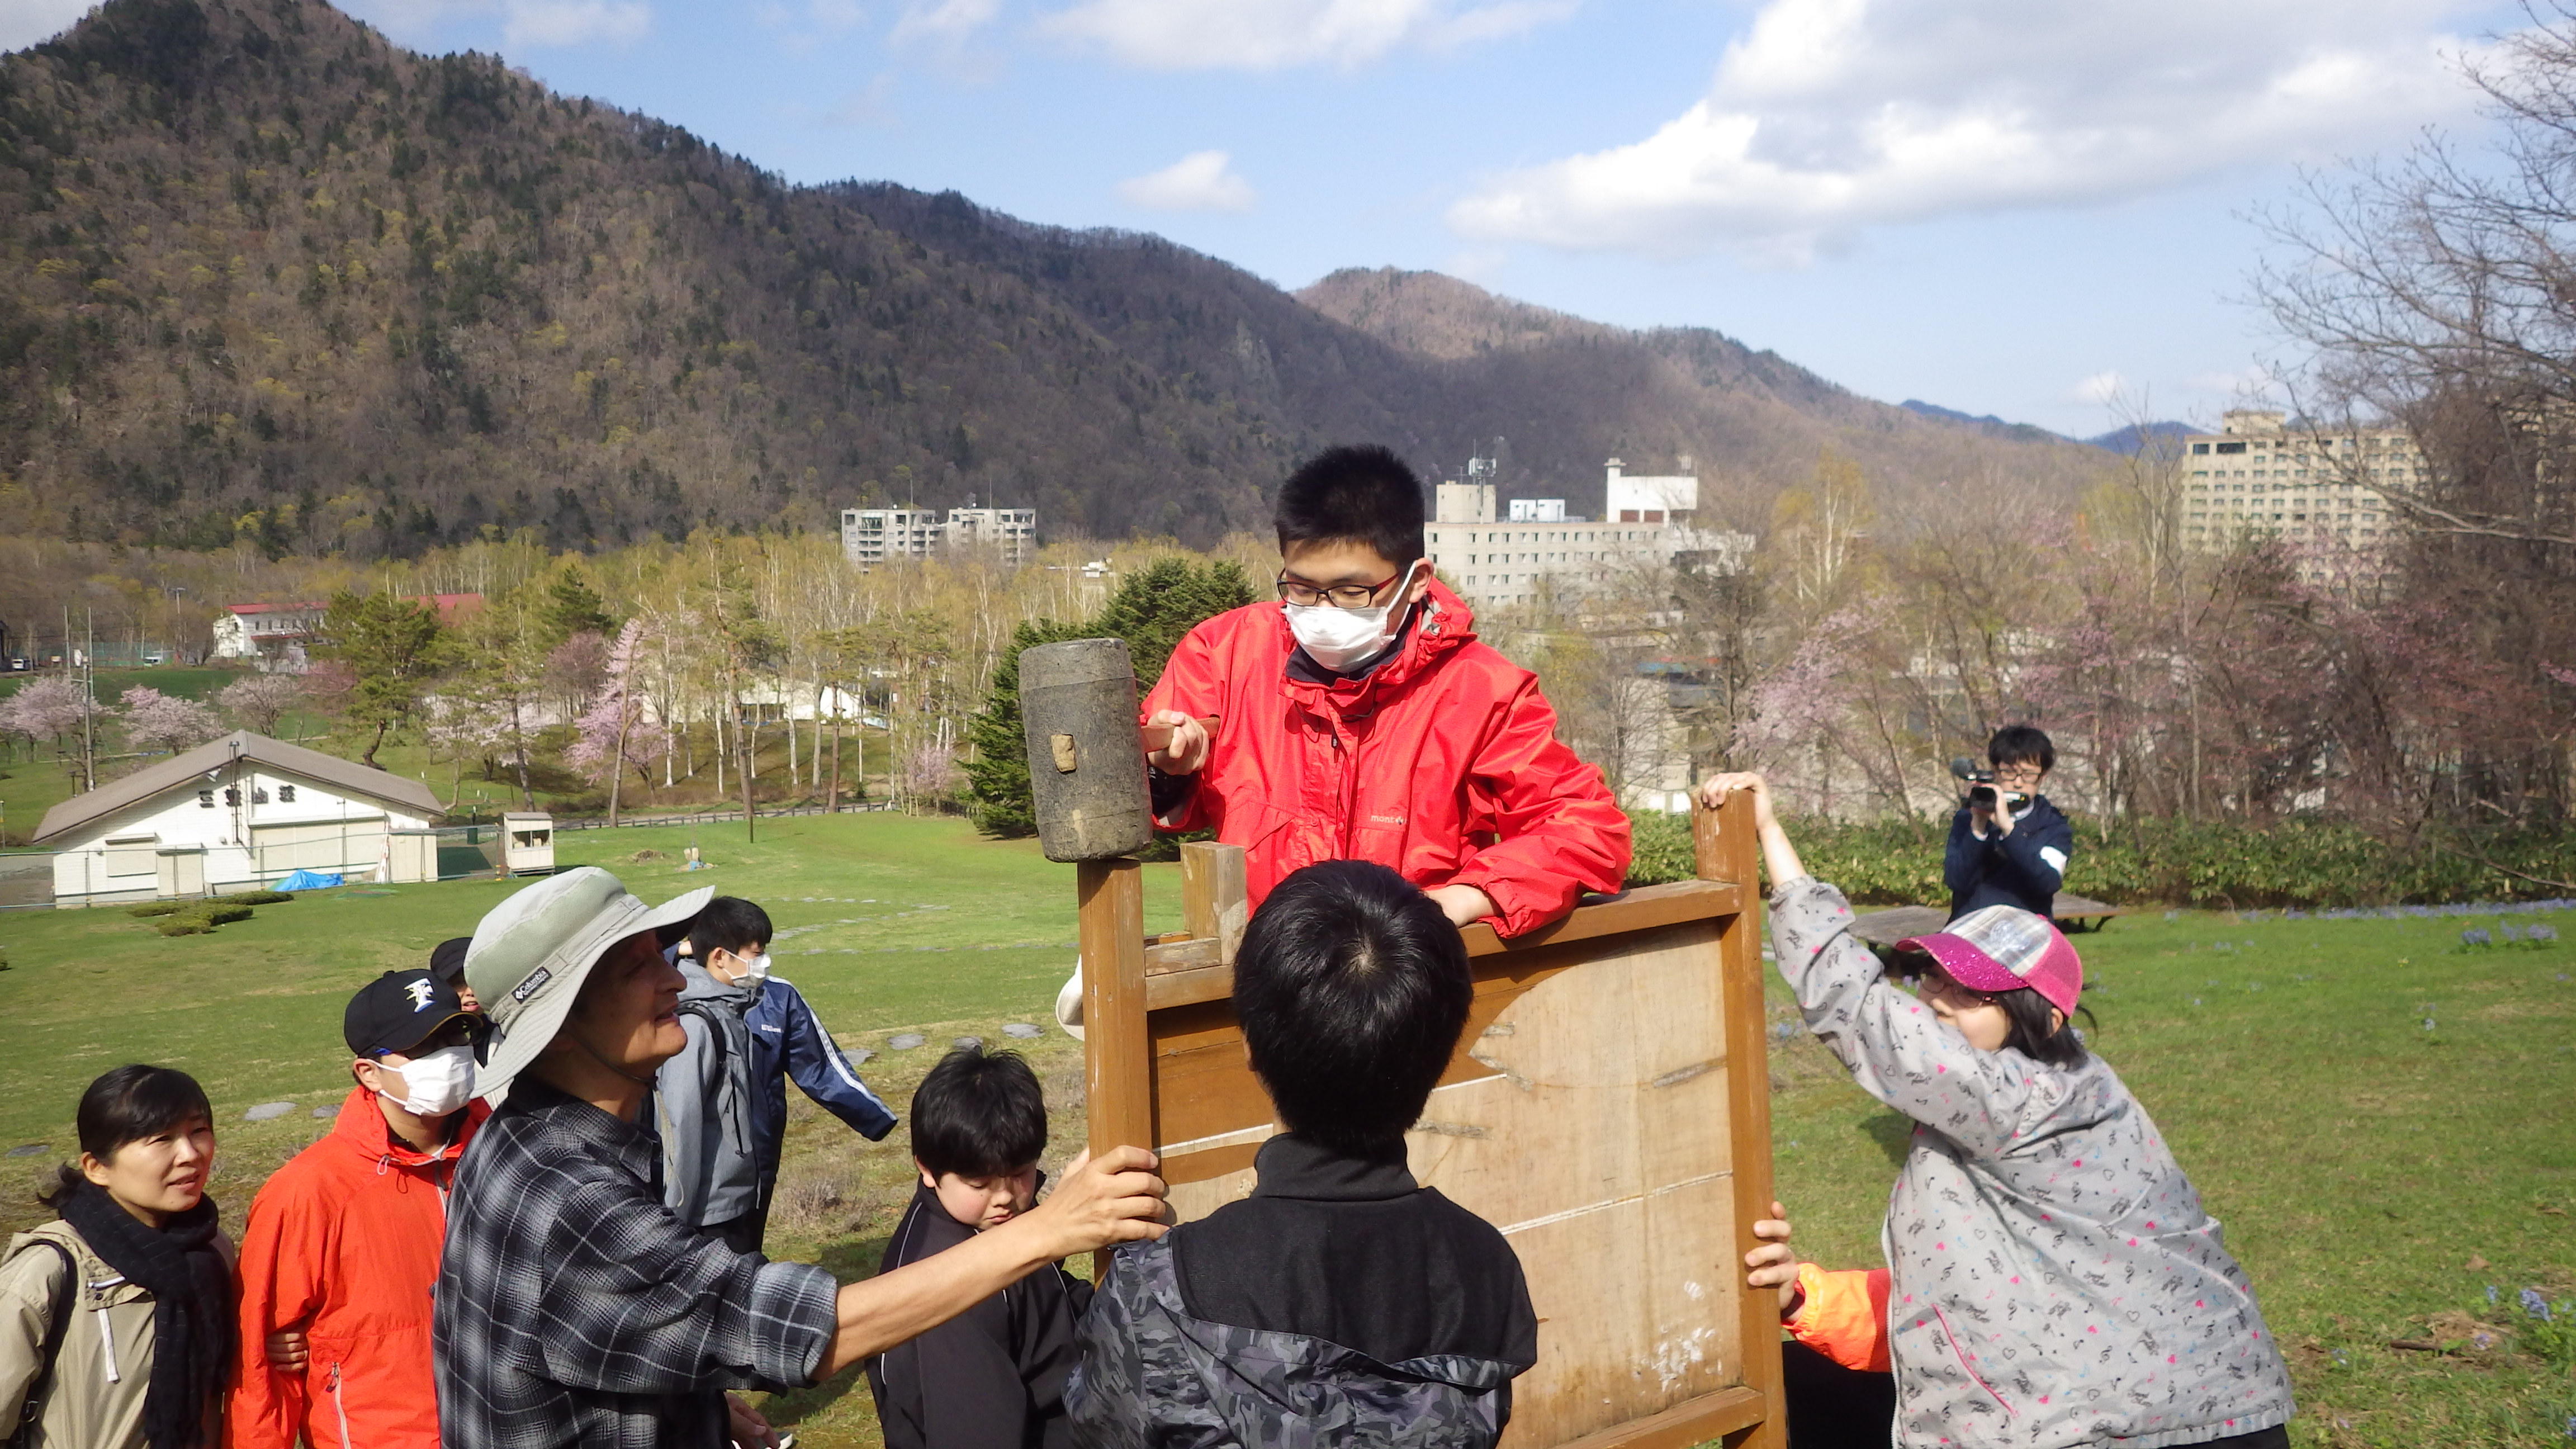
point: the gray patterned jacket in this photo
(1151, 1375)
(2055, 1279)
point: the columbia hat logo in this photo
(532, 985)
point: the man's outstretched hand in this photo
(1100, 1202)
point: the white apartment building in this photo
(870, 536)
(1649, 520)
(2258, 477)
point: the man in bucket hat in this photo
(571, 1307)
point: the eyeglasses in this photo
(459, 1031)
(1939, 984)
(1340, 596)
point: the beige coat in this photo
(105, 1368)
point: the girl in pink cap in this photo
(2054, 1281)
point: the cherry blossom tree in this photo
(616, 731)
(259, 701)
(48, 708)
(157, 721)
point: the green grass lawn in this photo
(2360, 1161)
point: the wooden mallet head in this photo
(1086, 772)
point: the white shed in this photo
(233, 815)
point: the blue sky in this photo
(2006, 206)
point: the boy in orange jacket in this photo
(341, 1250)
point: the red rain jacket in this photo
(344, 1241)
(1442, 763)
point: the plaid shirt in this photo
(572, 1308)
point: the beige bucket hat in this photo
(532, 952)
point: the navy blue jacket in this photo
(2022, 869)
(786, 1041)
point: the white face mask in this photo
(755, 970)
(438, 1083)
(1342, 640)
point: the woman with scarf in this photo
(116, 1322)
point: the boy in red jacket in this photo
(1359, 719)
(342, 1246)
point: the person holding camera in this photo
(2008, 845)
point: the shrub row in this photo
(2302, 863)
(196, 918)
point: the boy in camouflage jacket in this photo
(1342, 1303)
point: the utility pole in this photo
(89, 697)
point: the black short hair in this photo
(1354, 495)
(128, 1105)
(978, 1114)
(1351, 988)
(2021, 744)
(727, 924)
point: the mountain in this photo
(2134, 437)
(267, 278)
(1989, 424)
(1568, 392)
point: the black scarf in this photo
(192, 1296)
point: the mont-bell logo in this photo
(533, 984)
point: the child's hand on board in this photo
(1774, 1265)
(1714, 790)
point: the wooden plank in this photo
(1644, 908)
(1710, 1416)
(1186, 954)
(1215, 904)
(1118, 1073)
(1728, 849)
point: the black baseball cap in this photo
(447, 962)
(398, 1010)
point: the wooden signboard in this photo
(1608, 1109)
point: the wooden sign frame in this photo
(1608, 1108)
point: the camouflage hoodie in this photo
(2055, 1279)
(1152, 1375)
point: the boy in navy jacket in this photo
(721, 1105)
(2010, 853)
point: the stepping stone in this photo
(906, 1041)
(267, 1111)
(862, 1057)
(30, 1149)
(1023, 1031)
(326, 1113)
(968, 1041)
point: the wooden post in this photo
(1725, 848)
(1214, 903)
(1118, 1064)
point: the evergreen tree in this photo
(572, 607)
(1152, 608)
(387, 642)
(997, 779)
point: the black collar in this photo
(1292, 1166)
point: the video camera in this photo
(1981, 785)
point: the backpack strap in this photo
(22, 1428)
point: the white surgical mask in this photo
(438, 1083)
(1342, 640)
(755, 970)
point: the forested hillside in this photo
(265, 276)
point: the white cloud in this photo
(33, 22)
(1200, 181)
(1277, 34)
(1831, 116)
(2101, 389)
(946, 22)
(574, 22)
